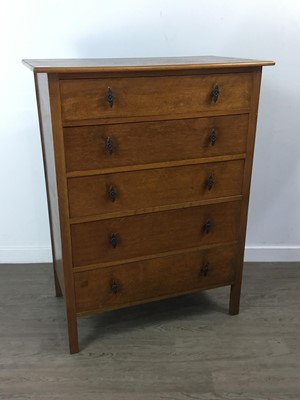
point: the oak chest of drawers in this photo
(148, 165)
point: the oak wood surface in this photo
(201, 247)
(128, 73)
(154, 278)
(165, 164)
(59, 197)
(151, 142)
(131, 191)
(153, 233)
(43, 106)
(140, 211)
(235, 294)
(87, 98)
(91, 65)
(162, 117)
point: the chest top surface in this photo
(140, 64)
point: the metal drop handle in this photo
(112, 193)
(109, 145)
(207, 226)
(213, 137)
(215, 93)
(204, 269)
(114, 240)
(115, 288)
(110, 97)
(210, 182)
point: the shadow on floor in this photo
(103, 325)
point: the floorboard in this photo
(179, 349)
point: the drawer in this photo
(135, 190)
(83, 99)
(147, 234)
(121, 285)
(117, 145)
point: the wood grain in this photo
(156, 255)
(153, 118)
(87, 98)
(43, 105)
(137, 190)
(153, 233)
(165, 164)
(151, 279)
(92, 65)
(52, 142)
(153, 142)
(234, 304)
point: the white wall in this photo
(116, 28)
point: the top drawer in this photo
(84, 99)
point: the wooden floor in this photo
(184, 348)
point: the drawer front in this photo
(121, 285)
(107, 146)
(135, 190)
(83, 99)
(141, 235)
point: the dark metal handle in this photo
(110, 97)
(213, 137)
(115, 288)
(215, 93)
(112, 193)
(204, 270)
(114, 240)
(210, 182)
(207, 226)
(109, 145)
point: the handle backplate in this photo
(215, 93)
(213, 137)
(109, 145)
(110, 97)
(112, 193)
(114, 240)
(115, 288)
(207, 226)
(204, 269)
(210, 182)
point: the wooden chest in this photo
(148, 165)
